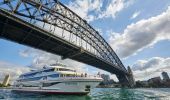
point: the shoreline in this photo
(98, 87)
(6, 88)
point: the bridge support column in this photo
(131, 77)
(123, 80)
(126, 80)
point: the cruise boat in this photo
(56, 79)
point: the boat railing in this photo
(82, 77)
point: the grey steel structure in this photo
(51, 26)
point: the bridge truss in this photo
(59, 20)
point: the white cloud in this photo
(145, 33)
(113, 8)
(145, 69)
(13, 69)
(41, 58)
(136, 14)
(84, 7)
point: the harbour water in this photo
(96, 94)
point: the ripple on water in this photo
(96, 94)
(1, 97)
(158, 94)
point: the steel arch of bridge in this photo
(53, 16)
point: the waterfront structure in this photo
(155, 80)
(6, 80)
(56, 79)
(51, 26)
(165, 76)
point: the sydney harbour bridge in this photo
(51, 26)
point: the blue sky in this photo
(130, 27)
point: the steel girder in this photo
(52, 14)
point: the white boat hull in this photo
(68, 86)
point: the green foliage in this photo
(8, 85)
(1, 85)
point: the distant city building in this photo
(155, 80)
(165, 76)
(142, 83)
(6, 80)
(105, 77)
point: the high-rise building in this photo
(6, 80)
(165, 76)
(105, 77)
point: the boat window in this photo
(21, 76)
(49, 70)
(31, 79)
(70, 75)
(53, 75)
(45, 78)
(56, 69)
(58, 65)
(64, 69)
(50, 84)
(29, 75)
(62, 75)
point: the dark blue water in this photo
(96, 94)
